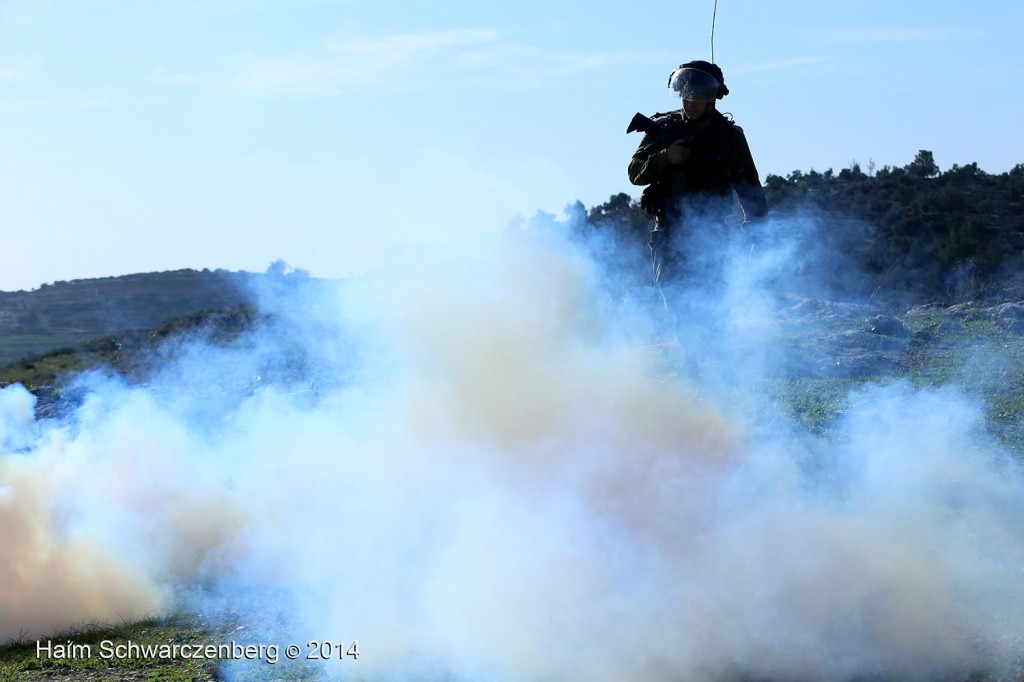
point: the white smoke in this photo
(479, 464)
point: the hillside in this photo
(66, 314)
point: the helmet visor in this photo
(691, 83)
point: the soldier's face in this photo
(695, 108)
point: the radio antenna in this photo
(714, 14)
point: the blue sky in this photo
(141, 136)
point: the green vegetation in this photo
(128, 353)
(19, 661)
(815, 402)
(180, 648)
(172, 649)
(953, 235)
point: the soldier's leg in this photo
(663, 262)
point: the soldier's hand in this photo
(678, 152)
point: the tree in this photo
(618, 206)
(923, 165)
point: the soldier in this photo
(693, 164)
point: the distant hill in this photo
(132, 354)
(66, 314)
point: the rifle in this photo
(684, 131)
(645, 124)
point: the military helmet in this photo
(698, 79)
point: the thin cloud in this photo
(517, 67)
(19, 71)
(168, 78)
(339, 65)
(781, 65)
(889, 34)
(342, 64)
(295, 75)
(524, 58)
(412, 43)
(88, 102)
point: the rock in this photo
(860, 363)
(1009, 317)
(926, 309)
(965, 311)
(887, 325)
(807, 306)
(813, 308)
(926, 335)
(937, 329)
(1011, 311)
(862, 340)
(1011, 326)
(951, 328)
(850, 310)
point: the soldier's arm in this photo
(649, 161)
(745, 180)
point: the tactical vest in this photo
(707, 171)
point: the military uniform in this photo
(719, 164)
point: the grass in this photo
(99, 654)
(813, 402)
(20, 661)
(14, 346)
(974, 354)
(39, 371)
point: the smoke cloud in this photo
(487, 461)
